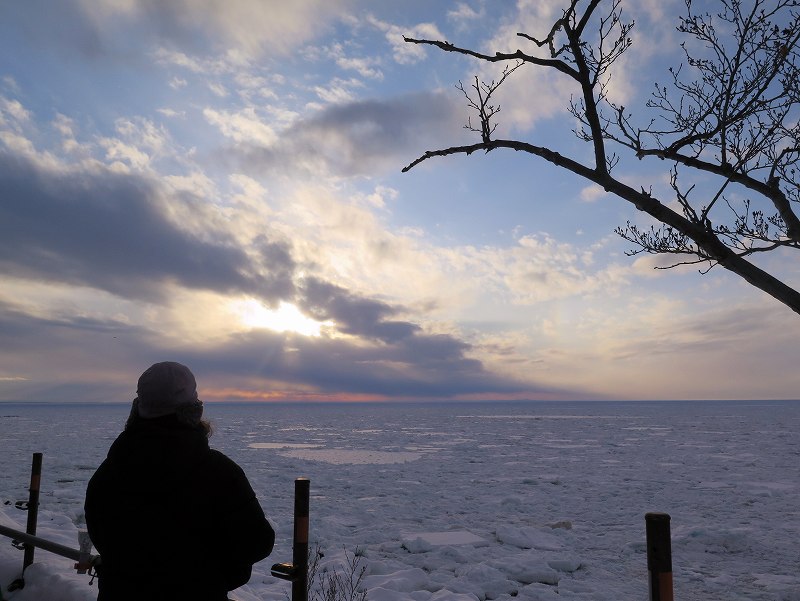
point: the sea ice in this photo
(506, 501)
(526, 537)
(420, 542)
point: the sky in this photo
(219, 184)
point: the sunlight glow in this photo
(286, 318)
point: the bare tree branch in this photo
(481, 100)
(499, 56)
(736, 118)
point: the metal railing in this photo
(85, 559)
(86, 562)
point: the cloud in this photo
(366, 66)
(720, 349)
(540, 268)
(92, 227)
(13, 110)
(354, 315)
(338, 91)
(403, 52)
(10, 84)
(463, 13)
(533, 94)
(361, 137)
(592, 193)
(423, 368)
(233, 32)
(245, 28)
(193, 64)
(243, 126)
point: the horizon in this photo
(427, 402)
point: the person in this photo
(171, 518)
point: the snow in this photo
(466, 502)
(421, 542)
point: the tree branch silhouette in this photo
(736, 119)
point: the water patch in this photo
(564, 445)
(713, 485)
(535, 417)
(283, 445)
(351, 456)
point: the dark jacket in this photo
(171, 518)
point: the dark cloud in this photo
(403, 361)
(120, 30)
(108, 231)
(93, 32)
(52, 26)
(363, 137)
(353, 314)
(420, 370)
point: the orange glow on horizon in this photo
(222, 395)
(515, 396)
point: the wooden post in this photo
(659, 556)
(302, 489)
(33, 507)
(33, 514)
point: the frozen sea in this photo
(465, 501)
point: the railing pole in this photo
(33, 507)
(302, 489)
(659, 556)
(48, 545)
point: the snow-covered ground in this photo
(540, 501)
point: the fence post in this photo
(33, 507)
(302, 489)
(33, 515)
(659, 556)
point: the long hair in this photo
(186, 416)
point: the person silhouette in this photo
(172, 518)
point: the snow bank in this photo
(51, 577)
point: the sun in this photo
(286, 318)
